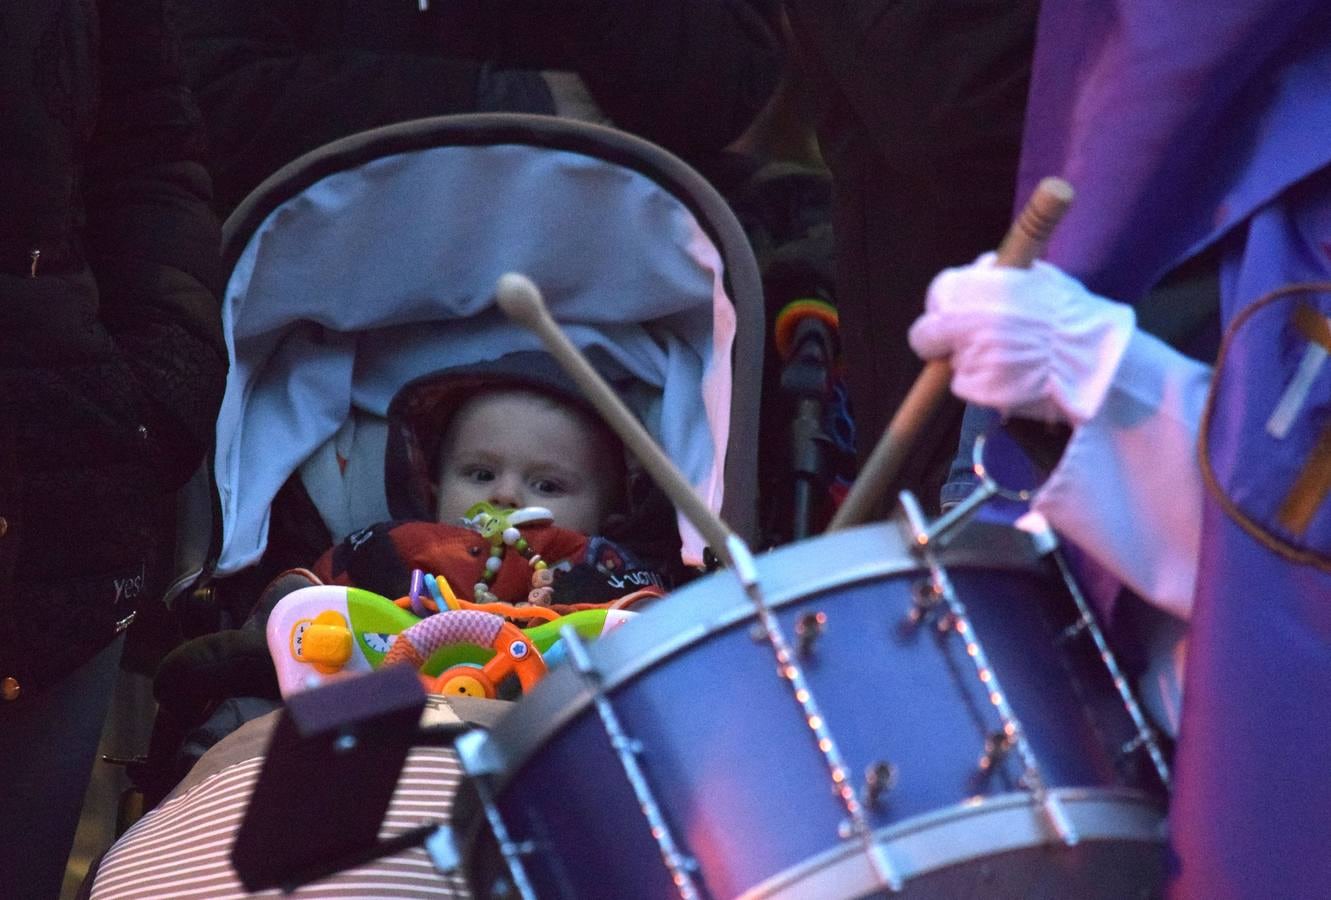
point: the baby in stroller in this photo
(510, 439)
(534, 524)
(338, 401)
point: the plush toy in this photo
(497, 556)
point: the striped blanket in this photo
(182, 848)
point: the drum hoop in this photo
(935, 840)
(716, 603)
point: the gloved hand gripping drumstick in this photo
(1034, 342)
(1021, 246)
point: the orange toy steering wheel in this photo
(515, 654)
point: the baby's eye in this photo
(478, 474)
(551, 487)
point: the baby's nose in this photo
(506, 491)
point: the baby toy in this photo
(329, 631)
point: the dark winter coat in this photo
(921, 114)
(690, 75)
(111, 357)
(277, 78)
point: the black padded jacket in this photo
(111, 356)
(277, 78)
(690, 75)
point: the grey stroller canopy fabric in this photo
(373, 261)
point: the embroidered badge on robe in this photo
(1272, 473)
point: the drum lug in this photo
(946, 623)
(519, 848)
(996, 747)
(1143, 738)
(879, 779)
(1075, 630)
(628, 745)
(925, 598)
(807, 631)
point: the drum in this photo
(970, 737)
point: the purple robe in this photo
(1186, 125)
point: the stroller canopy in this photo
(373, 261)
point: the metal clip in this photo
(807, 631)
(631, 746)
(996, 747)
(1076, 629)
(879, 778)
(1142, 739)
(476, 753)
(946, 623)
(925, 598)
(914, 523)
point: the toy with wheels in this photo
(325, 631)
(329, 631)
(514, 653)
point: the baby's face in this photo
(517, 449)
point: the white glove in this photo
(1027, 342)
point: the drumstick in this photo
(1022, 245)
(521, 301)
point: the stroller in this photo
(342, 292)
(372, 262)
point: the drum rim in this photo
(1098, 815)
(716, 603)
(931, 841)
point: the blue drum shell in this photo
(730, 760)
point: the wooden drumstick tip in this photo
(1056, 189)
(519, 299)
(1035, 224)
(1049, 202)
